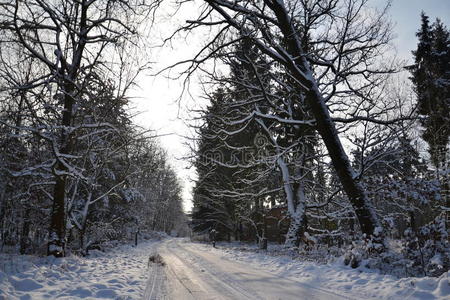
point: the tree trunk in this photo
(446, 194)
(301, 71)
(263, 243)
(2, 213)
(24, 238)
(82, 242)
(57, 231)
(67, 76)
(294, 232)
(361, 204)
(56, 243)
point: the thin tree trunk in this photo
(2, 213)
(24, 238)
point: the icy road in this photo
(194, 272)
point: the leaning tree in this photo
(338, 77)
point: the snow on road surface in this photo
(121, 273)
(198, 271)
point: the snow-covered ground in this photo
(198, 271)
(360, 283)
(120, 273)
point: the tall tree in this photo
(431, 78)
(69, 39)
(336, 75)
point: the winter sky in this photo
(157, 97)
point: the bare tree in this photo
(333, 53)
(70, 40)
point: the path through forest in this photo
(193, 272)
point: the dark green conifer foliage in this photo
(431, 78)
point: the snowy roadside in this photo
(361, 282)
(120, 273)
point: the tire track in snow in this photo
(199, 277)
(305, 290)
(220, 278)
(154, 289)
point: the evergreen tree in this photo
(231, 178)
(431, 78)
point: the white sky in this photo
(157, 96)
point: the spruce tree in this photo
(431, 78)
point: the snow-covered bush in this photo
(428, 248)
(422, 252)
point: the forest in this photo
(315, 134)
(317, 137)
(76, 172)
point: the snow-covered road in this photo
(198, 271)
(194, 272)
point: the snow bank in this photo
(120, 273)
(360, 282)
